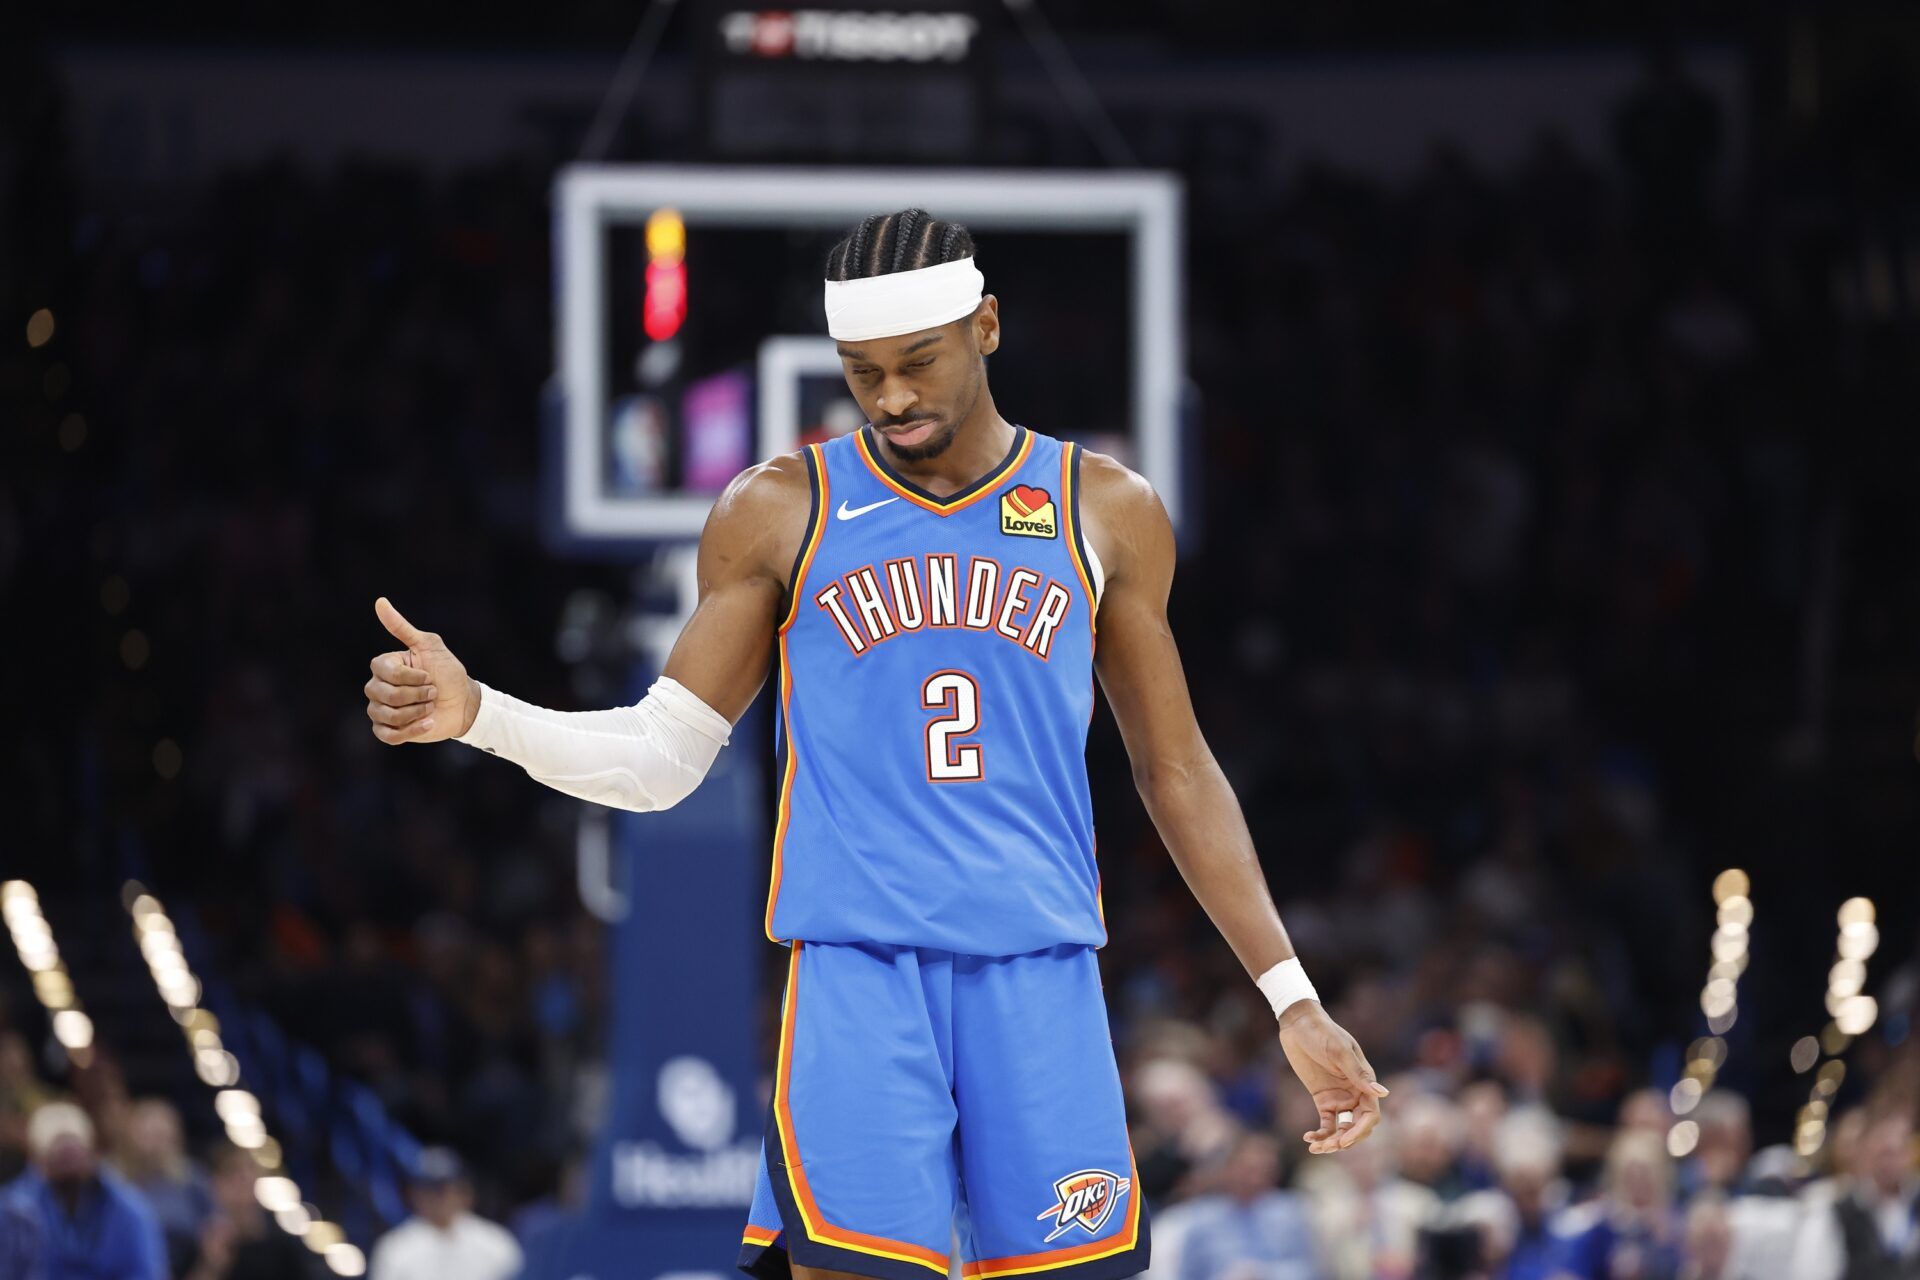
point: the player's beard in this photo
(938, 444)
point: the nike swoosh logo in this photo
(847, 513)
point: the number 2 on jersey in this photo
(958, 695)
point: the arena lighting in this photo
(345, 1259)
(73, 1029)
(229, 1104)
(1719, 997)
(52, 984)
(238, 1109)
(1719, 1001)
(1853, 1014)
(276, 1194)
(40, 328)
(322, 1236)
(664, 306)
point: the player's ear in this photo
(986, 325)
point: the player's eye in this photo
(921, 364)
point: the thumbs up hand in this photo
(421, 693)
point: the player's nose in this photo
(896, 398)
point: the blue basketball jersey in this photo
(936, 683)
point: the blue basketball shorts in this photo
(923, 1098)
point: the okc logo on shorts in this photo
(1086, 1200)
(1027, 511)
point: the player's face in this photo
(919, 389)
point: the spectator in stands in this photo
(21, 1247)
(94, 1225)
(1248, 1227)
(21, 1093)
(445, 1237)
(239, 1241)
(548, 1215)
(1483, 1110)
(1726, 1143)
(1709, 1241)
(1517, 1216)
(1629, 1233)
(1765, 1218)
(1841, 1157)
(1872, 1232)
(152, 1156)
(1367, 1219)
(1182, 1126)
(1427, 1138)
(1645, 1111)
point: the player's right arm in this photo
(747, 554)
(650, 755)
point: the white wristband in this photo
(1285, 984)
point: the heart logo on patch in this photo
(1029, 499)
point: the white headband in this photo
(903, 301)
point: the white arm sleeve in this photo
(644, 757)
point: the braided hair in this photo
(884, 243)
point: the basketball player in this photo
(934, 584)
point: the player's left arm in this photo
(1186, 794)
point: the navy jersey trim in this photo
(1076, 544)
(816, 517)
(774, 1261)
(870, 449)
(1079, 535)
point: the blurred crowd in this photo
(1474, 1185)
(1472, 1179)
(1514, 581)
(130, 1202)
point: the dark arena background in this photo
(1536, 390)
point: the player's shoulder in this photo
(1116, 491)
(767, 490)
(1124, 521)
(760, 519)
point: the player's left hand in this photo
(1341, 1080)
(421, 693)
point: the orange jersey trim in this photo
(812, 1221)
(1029, 1263)
(1099, 903)
(985, 486)
(784, 811)
(816, 528)
(759, 1236)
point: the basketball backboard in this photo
(610, 491)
